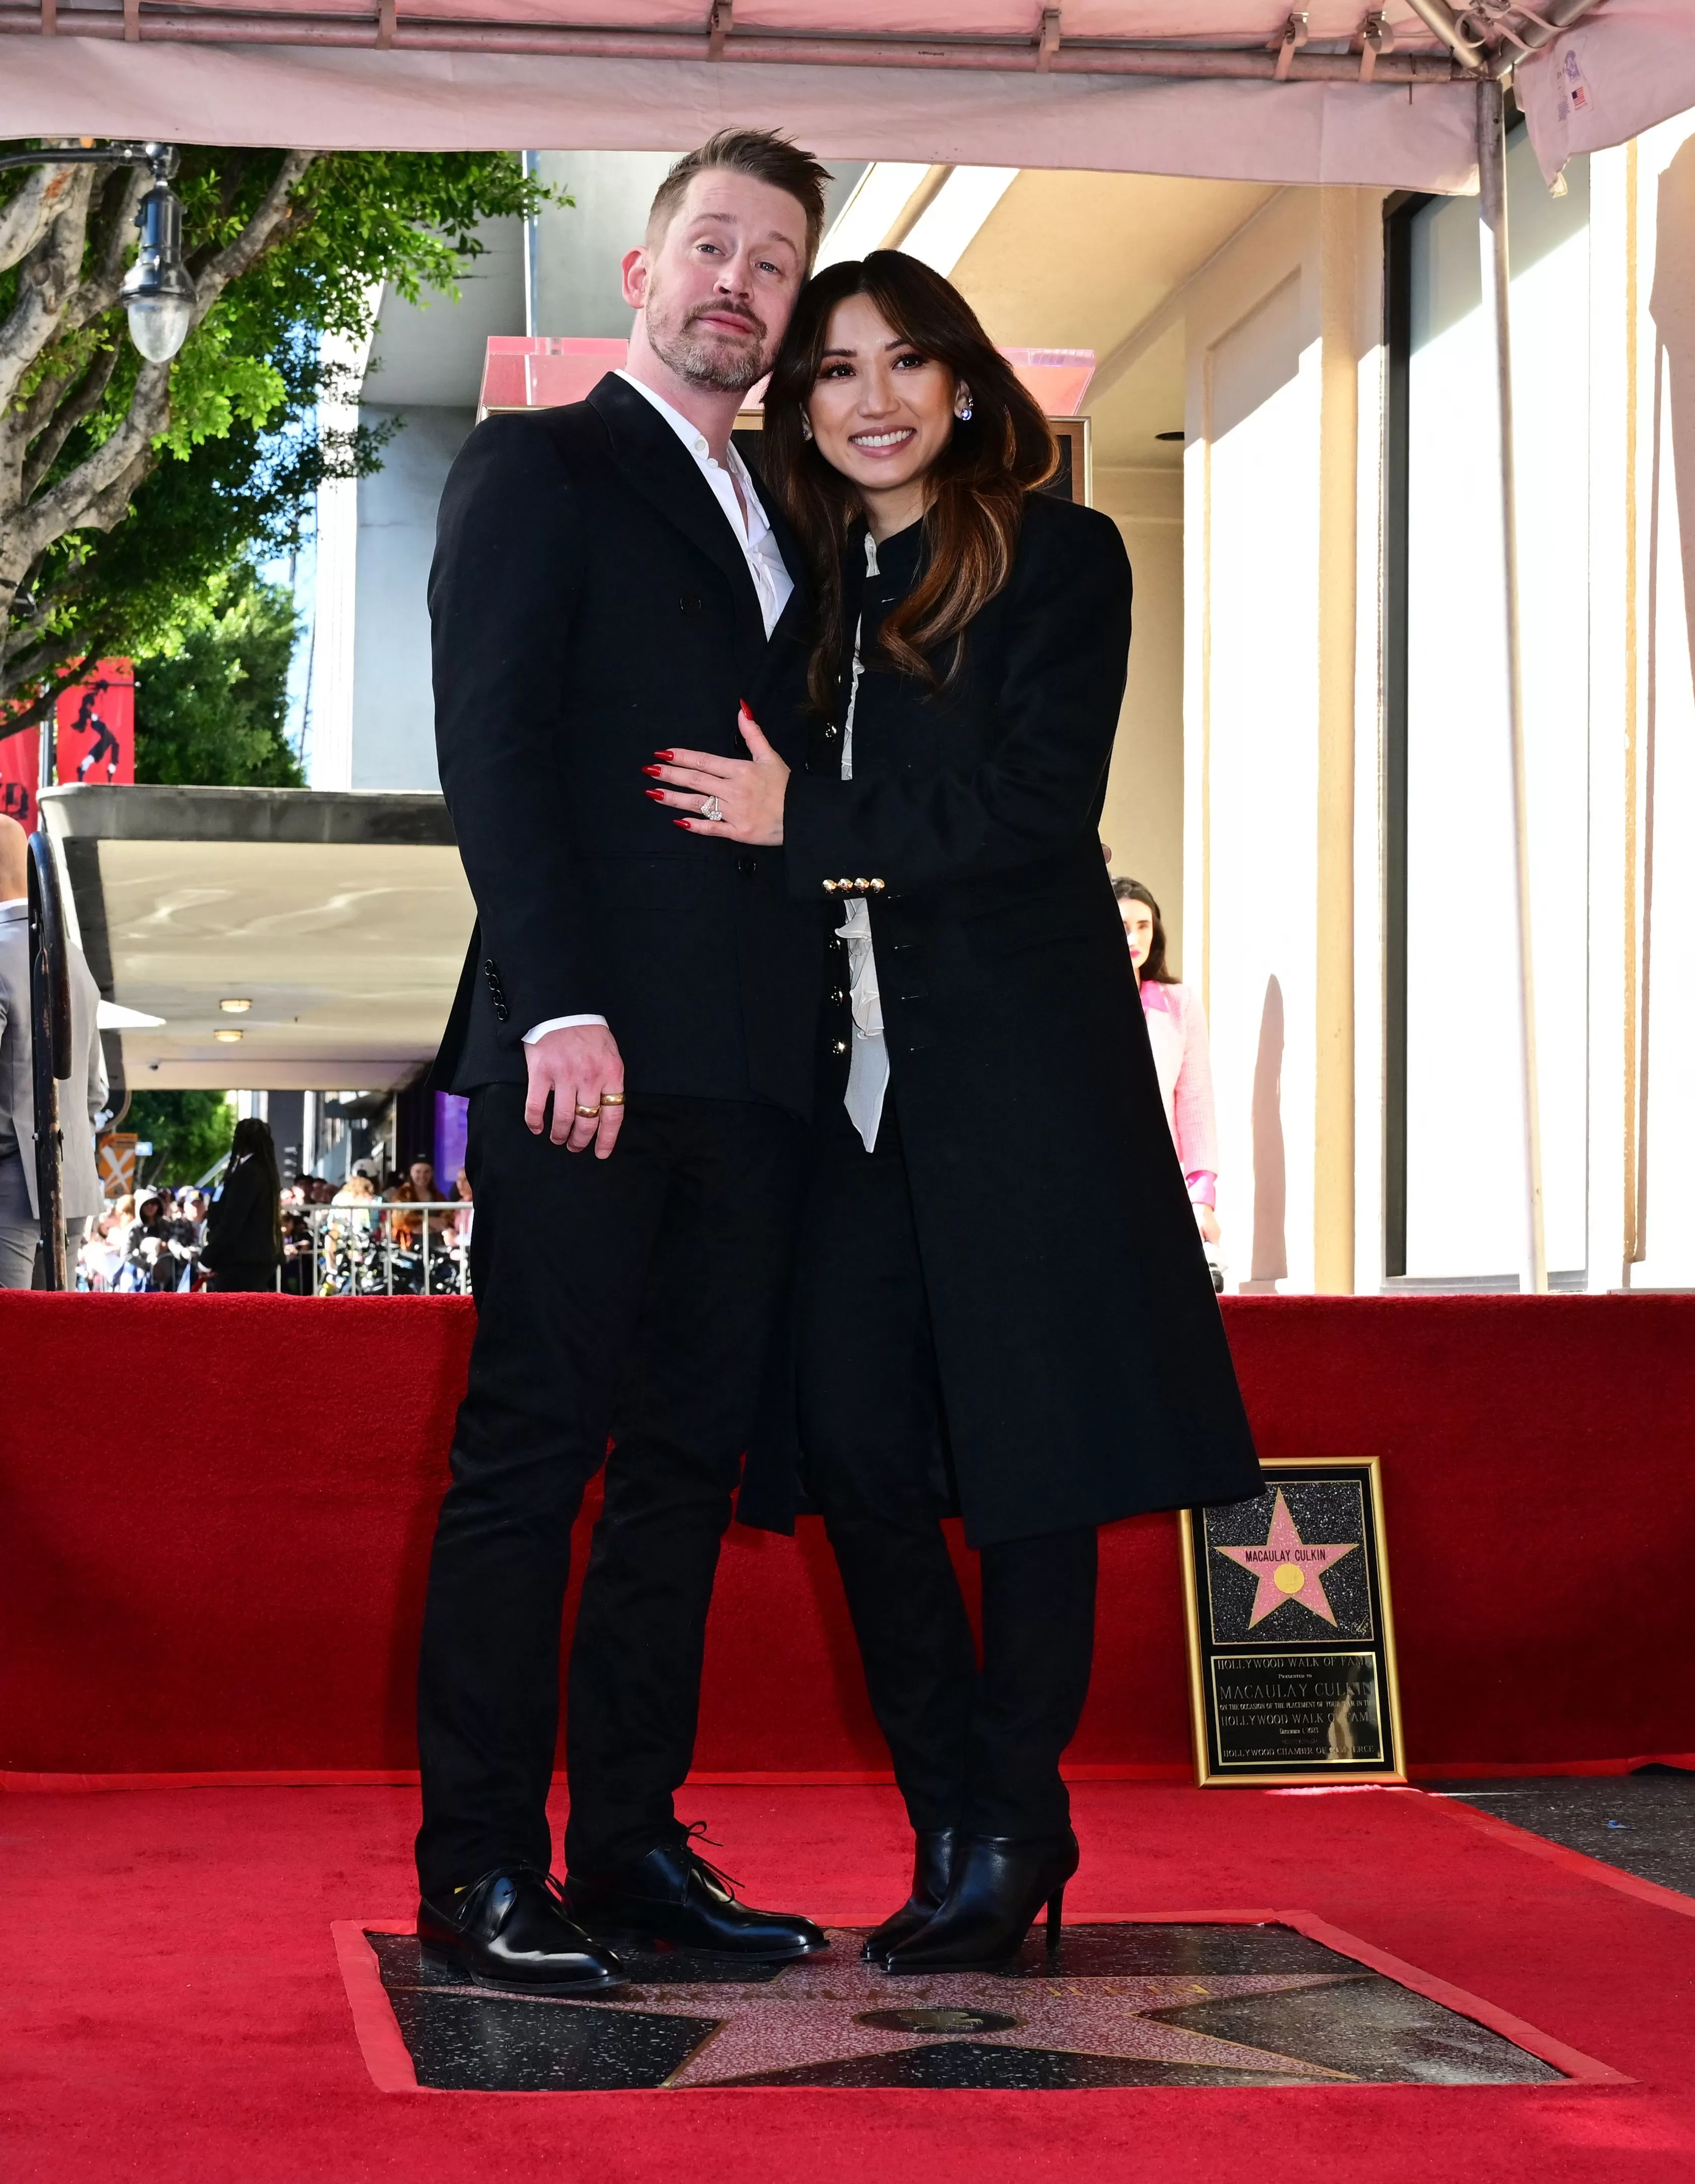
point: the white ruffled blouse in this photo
(868, 1066)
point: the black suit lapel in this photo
(662, 469)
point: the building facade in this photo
(1290, 418)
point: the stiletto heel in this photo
(1055, 1905)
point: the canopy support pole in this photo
(1498, 328)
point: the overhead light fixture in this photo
(226, 1037)
(158, 292)
(234, 1008)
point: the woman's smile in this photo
(878, 442)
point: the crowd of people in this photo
(372, 1238)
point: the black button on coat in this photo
(1082, 1354)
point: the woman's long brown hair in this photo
(976, 487)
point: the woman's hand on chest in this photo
(737, 799)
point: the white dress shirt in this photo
(868, 1066)
(771, 582)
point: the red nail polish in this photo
(665, 754)
(687, 826)
(655, 770)
(657, 794)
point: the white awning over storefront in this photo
(1244, 90)
(283, 937)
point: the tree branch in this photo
(47, 280)
(234, 259)
(82, 403)
(99, 292)
(70, 506)
(112, 505)
(25, 219)
(80, 646)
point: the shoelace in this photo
(697, 1831)
(556, 1889)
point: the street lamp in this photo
(158, 293)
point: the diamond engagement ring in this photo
(711, 809)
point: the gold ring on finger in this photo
(611, 1098)
(587, 1113)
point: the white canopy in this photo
(1233, 89)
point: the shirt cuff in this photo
(1203, 1187)
(559, 1024)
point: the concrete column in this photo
(1333, 1173)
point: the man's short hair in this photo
(757, 152)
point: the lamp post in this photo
(158, 293)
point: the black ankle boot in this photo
(931, 1870)
(999, 1884)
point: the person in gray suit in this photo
(19, 1215)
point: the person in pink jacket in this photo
(1177, 1031)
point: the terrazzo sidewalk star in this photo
(813, 2016)
(1123, 2005)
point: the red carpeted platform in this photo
(176, 2011)
(217, 1512)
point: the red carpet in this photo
(196, 2027)
(233, 1584)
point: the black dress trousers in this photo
(976, 1746)
(629, 1298)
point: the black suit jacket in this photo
(590, 605)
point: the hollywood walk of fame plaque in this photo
(1292, 1646)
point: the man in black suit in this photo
(636, 1027)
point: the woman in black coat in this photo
(243, 1245)
(1002, 1302)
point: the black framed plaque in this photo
(1292, 1640)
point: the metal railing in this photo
(382, 1247)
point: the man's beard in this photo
(709, 362)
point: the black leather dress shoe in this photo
(507, 1931)
(999, 1884)
(931, 1870)
(672, 1897)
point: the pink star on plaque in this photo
(1288, 1567)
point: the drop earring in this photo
(963, 412)
(805, 426)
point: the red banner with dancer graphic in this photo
(94, 737)
(96, 726)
